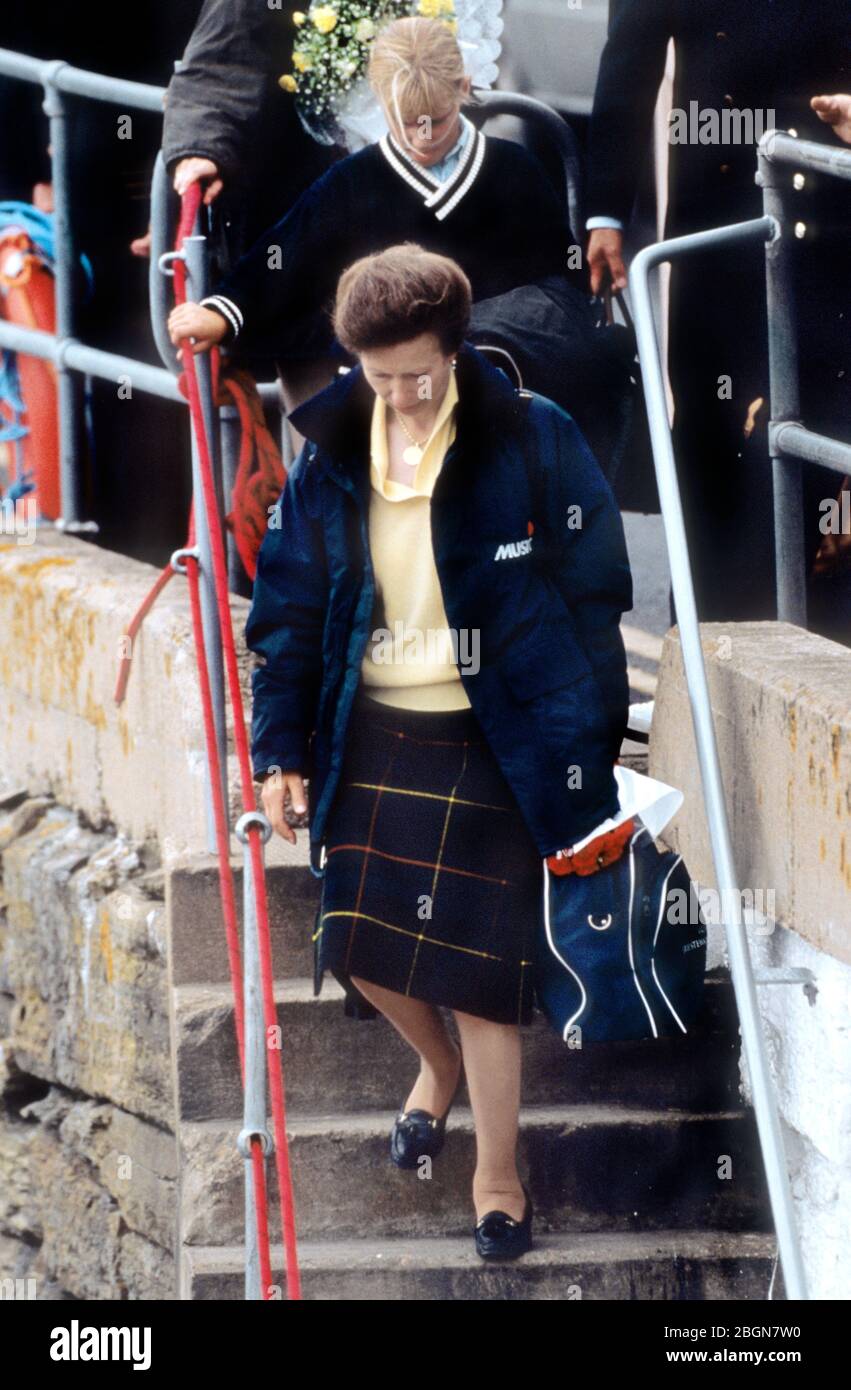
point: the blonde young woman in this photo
(433, 179)
(441, 647)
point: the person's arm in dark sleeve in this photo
(590, 564)
(290, 272)
(541, 236)
(213, 101)
(619, 137)
(285, 625)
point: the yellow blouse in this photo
(412, 659)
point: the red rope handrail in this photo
(189, 210)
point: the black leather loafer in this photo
(500, 1237)
(417, 1134)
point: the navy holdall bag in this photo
(622, 952)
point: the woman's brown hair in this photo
(397, 294)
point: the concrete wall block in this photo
(781, 701)
(808, 1045)
(820, 1193)
(64, 605)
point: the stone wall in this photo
(88, 1158)
(97, 799)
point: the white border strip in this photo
(459, 192)
(231, 311)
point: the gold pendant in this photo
(412, 455)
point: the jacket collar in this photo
(338, 418)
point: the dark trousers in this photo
(718, 361)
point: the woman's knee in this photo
(475, 1021)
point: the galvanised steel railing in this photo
(58, 80)
(790, 443)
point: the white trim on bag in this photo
(642, 831)
(655, 937)
(560, 957)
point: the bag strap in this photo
(533, 477)
(485, 348)
(607, 297)
(522, 398)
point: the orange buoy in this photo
(27, 298)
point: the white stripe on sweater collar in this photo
(440, 197)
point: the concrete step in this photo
(590, 1168)
(336, 1063)
(193, 904)
(663, 1266)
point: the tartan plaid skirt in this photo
(432, 883)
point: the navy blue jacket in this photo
(551, 693)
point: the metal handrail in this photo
(59, 80)
(158, 279)
(54, 72)
(790, 443)
(69, 355)
(787, 441)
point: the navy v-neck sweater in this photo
(498, 216)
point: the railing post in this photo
(195, 252)
(55, 108)
(254, 1100)
(158, 291)
(238, 581)
(785, 396)
(753, 1045)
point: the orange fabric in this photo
(27, 298)
(599, 852)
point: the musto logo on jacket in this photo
(509, 550)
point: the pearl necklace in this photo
(414, 451)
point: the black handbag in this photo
(566, 346)
(549, 329)
(630, 470)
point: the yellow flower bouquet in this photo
(331, 51)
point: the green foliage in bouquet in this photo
(331, 49)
